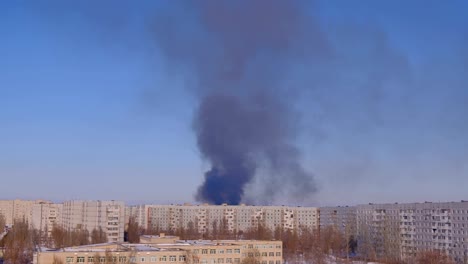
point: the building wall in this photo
(45, 215)
(203, 252)
(341, 217)
(108, 215)
(419, 227)
(18, 210)
(234, 218)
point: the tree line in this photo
(301, 245)
(306, 245)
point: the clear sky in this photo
(91, 109)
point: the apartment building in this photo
(108, 215)
(415, 227)
(177, 252)
(341, 217)
(44, 216)
(18, 210)
(139, 212)
(233, 218)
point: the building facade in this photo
(177, 252)
(411, 228)
(232, 218)
(341, 217)
(13, 210)
(90, 215)
(44, 216)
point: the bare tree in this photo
(2, 223)
(57, 260)
(366, 243)
(133, 230)
(259, 232)
(98, 236)
(59, 236)
(433, 257)
(252, 257)
(79, 237)
(192, 231)
(110, 259)
(389, 237)
(214, 230)
(224, 231)
(191, 258)
(97, 258)
(19, 245)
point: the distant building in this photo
(44, 216)
(89, 215)
(178, 252)
(341, 217)
(415, 227)
(17, 209)
(139, 212)
(233, 218)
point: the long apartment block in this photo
(44, 215)
(234, 218)
(406, 228)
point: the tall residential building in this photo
(139, 212)
(89, 215)
(341, 217)
(233, 218)
(416, 227)
(17, 210)
(45, 216)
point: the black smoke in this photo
(240, 55)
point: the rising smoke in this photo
(241, 54)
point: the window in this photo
(153, 259)
(204, 251)
(228, 251)
(163, 258)
(80, 259)
(278, 254)
(122, 259)
(237, 250)
(221, 251)
(172, 258)
(142, 259)
(229, 260)
(264, 254)
(70, 259)
(271, 254)
(102, 259)
(212, 251)
(90, 259)
(220, 260)
(182, 258)
(237, 260)
(132, 259)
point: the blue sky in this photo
(90, 109)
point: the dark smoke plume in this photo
(241, 54)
